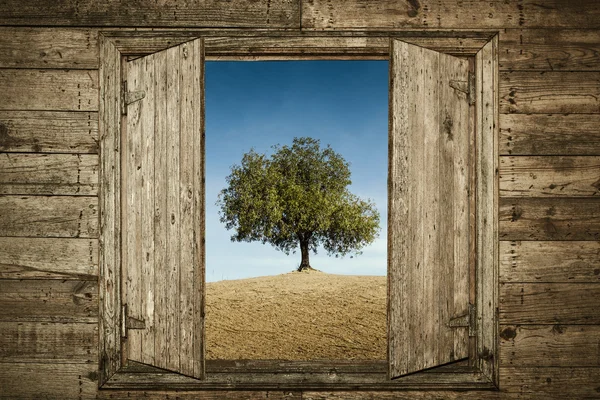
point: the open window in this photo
(442, 194)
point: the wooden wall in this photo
(549, 180)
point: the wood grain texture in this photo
(556, 134)
(550, 49)
(110, 211)
(549, 303)
(206, 395)
(300, 379)
(551, 176)
(51, 89)
(429, 144)
(337, 46)
(49, 216)
(486, 209)
(165, 260)
(523, 218)
(549, 346)
(49, 132)
(132, 179)
(400, 395)
(49, 174)
(48, 301)
(550, 262)
(549, 92)
(179, 13)
(48, 342)
(551, 382)
(70, 48)
(244, 44)
(48, 258)
(49, 380)
(356, 14)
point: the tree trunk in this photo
(304, 250)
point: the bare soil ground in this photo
(297, 316)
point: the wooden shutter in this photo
(428, 260)
(163, 209)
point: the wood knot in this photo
(558, 330)
(508, 333)
(517, 213)
(413, 9)
(448, 124)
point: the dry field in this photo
(297, 316)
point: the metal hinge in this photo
(467, 87)
(467, 320)
(128, 98)
(128, 322)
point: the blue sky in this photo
(259, 104)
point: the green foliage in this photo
(298, 195)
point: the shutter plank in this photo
(132, 202)
(173, 221)
(160, 221)
(147, 211)
(433, 254)
(428, 242)
(187, 58)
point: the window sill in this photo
(296, 375)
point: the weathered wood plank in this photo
(148, 207)
(110, 211)
(48, 48)
(549, 382)
(302, 380)
(246, 44)
(551, 176)
(557, 134)
(550, 49)
(400, 395)
(172, 110)
(52, 89)
(199, 206)
(210, 13)
(49, 132)
(295, 395)
(58, 174)
(486, 210)
(549, 303)
(550, 262)
(161, 220)
(550, 92)
(332, 46)
(49, 342)
(549, 345)
(190, 56)
(48, 301)
(206, 395)
(516, 383)
(48, 381)
(131, 207)
(356, 14)
(49, 216)
(48, 258)
(523, 218)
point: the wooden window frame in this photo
(480, 372)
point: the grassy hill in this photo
(297, 316)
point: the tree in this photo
(297, 197)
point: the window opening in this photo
(258, 306)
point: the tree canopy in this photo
(297, 198)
